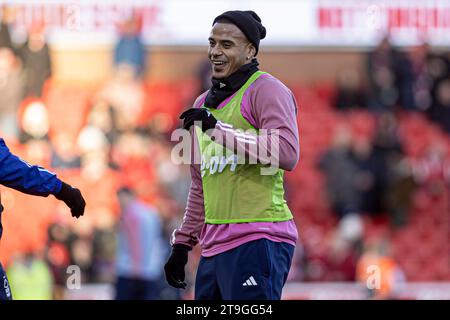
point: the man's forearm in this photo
(26, 178)
(194, 215)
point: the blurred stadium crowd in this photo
(371, 188)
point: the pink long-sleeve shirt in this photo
(266, 104)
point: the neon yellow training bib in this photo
(235, 191)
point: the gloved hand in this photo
(174, 267)
(72, 198)
(198, 114)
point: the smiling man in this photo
(237, 212)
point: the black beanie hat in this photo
(249, 23)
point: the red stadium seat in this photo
(68, 107)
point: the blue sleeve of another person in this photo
(17, 174)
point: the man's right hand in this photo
(174, 267)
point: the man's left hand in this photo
(72, 198)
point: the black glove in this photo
(174, 267)
(198, 114)
(72, 198)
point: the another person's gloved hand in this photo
(72, 198)
(198, 114)
(174, 267)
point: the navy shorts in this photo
(256, 270)
(5, 290)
